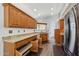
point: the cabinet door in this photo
(35, 24)
(9, 49)
(13, 17)
(31, 23)
(61, 22)
(44, 37)
(19, 19)
(25, 21)
(34, 46)
(58, 38)
(16, 18)
(22, 21)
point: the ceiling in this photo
(41, 10)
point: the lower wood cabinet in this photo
(23, 42)
(34, 46)
(24, 46)
(59, 33)
(40, 42)
(24, 50)
(58, 37)
(44, 36)
(18, 53)
(9, 49)
(20, 48)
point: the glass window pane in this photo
(41, 26)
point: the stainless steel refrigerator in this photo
(70, 33)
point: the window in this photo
(41, 26)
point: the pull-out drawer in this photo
(21, 43)
(34, 46)
(24, 50)
(25, 41)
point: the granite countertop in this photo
(43, 33)
(17, 38)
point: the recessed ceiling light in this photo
(51, 13)
(51, 8)
(34, 9)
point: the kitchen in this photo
(30, 29)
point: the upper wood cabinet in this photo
(14, 17)
(61, 23)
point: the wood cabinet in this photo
(58, 37)
(20, 48)
(61, 24)
(44, 36)
(23, 42)
(9, 49)
(59, 33)
(14, 17)
(23, 51)
(35, 46)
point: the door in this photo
(70, 33)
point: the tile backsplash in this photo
(15, 31)
(10, 31)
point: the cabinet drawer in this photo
(25, 41)
(34, 46)
(18, 53)
(22, 42)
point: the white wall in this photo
(5, 31)
(1, 27)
